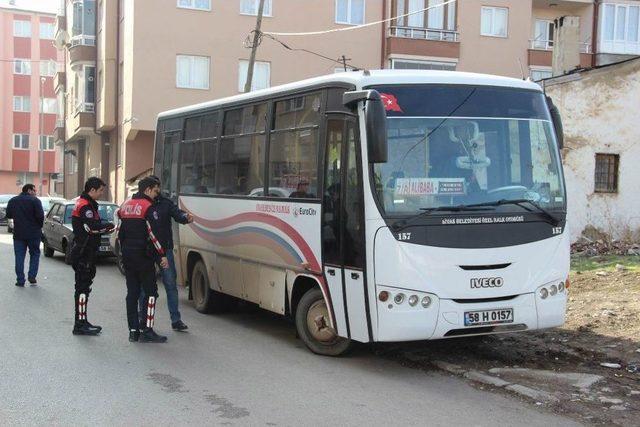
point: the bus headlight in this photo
(561, 287)
(399, 298)
(544, 293)
(383, 296)
(413, 300)
(553, 290)
(426, 302)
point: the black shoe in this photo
(149, 335)
(96, 327)
(179, 326)
(33, 280)
(20, 285)
(82, 328)
(134, 336)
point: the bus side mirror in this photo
(375, 119)
(557, 122)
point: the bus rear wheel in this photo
(205, 299)
(314, 326)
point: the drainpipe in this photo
(384, 38)
(594, 32)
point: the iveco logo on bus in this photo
(487, 282)
(300, 211)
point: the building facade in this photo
(126, 61)
(600, 112)
(28, 106)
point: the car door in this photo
(343, 229)
(50, 227)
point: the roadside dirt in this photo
(603, 326)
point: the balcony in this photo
(423, 42)
(58, 133)
(85, 107)
(61, 35)
(541, 53)
(82, 49)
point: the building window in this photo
(22, 66)
(46, 142)
(407, 64)
(538, 74)
(192, 72)
(90, 84)
(47, 68)
(50, 106)
(350, 12)
(21, 141)
(606, 177)
(84, 18)
(543, 35)
(250, 7)
(47, 31)
(22, 104)
(21, 28)
(195, 4)
(494, 21)
(261, 75)
(619, 27)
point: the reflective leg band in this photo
(151, 308)
(82, 307)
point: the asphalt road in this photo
(242, 368)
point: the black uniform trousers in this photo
(140, 273)
(84, 267)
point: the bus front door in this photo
(343, 229)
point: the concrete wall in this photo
(600, 113)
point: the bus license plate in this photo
(104, 249)
(488, 317)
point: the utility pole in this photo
(40, 153)
(254, 48)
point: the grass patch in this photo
(604, 262)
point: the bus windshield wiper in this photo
(551, 218)
(403, 223)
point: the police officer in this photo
(167, 210)
(140, 251)
(87, 228)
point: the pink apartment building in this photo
(28, 62)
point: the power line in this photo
(357, 27)
(342, 61)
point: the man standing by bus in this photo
(140, 221)
(166, 210)
(87, 228)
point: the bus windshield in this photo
(462, 145)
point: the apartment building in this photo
(127, 60)
(28, 107)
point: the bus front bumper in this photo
(445, 318)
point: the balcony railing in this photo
(59, 123)
(85, 107)
(424, 34)
(538, 44)
(83, 40)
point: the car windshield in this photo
(48, 201)
(460, 145)
(4, 198)
(106, 212)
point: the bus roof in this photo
(361, 79)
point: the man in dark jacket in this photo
(28, 217)
(87, 228)
(166, 210)
(139, 223)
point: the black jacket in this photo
(87, 225)
(166, 210)
(28, 216)
(140, 222)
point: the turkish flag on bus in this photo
(390, 103)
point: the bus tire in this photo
(205, 299)
(312, 324)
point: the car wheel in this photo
(205, 299)
(313, 326)
(47, 250)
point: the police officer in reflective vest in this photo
(140, 251)
(87, 228)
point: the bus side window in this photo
(353, 209)
(332, 194)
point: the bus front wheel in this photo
(314, 326)
(205, 299)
